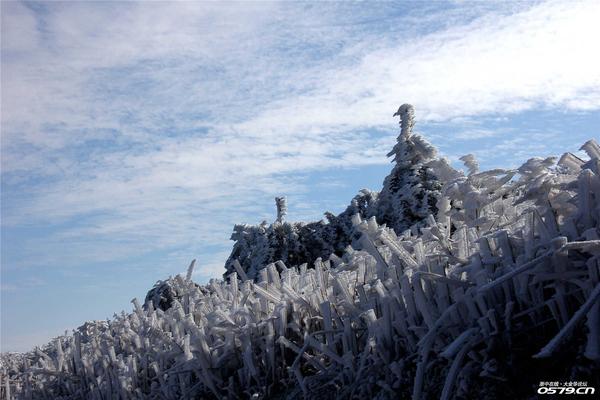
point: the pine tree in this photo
(410, 191)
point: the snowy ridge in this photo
(502, 279)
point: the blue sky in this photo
(135, 135)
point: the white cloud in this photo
(162, 123)
(474, 134)
(540, 57)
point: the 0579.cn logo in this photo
(565, 388)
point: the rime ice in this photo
(442, 285)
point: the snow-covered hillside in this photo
(479, 287)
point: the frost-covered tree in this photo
(410, 192)
(254, 246)
(296, 243)
(281, 208)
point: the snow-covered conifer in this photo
(410, 192)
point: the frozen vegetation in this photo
(442, 285)
(409, 195)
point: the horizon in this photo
(135, 135)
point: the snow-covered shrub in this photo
(296, 243)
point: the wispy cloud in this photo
(134, 135)
(154, 125)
